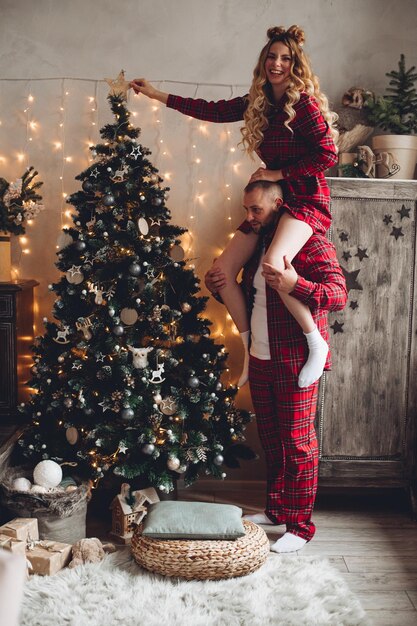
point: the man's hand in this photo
(280, 280)
(214, 279)
(141, 85)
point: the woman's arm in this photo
(221, 111)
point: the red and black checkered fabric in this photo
(302, 155)
(321, 285)
(285, 421)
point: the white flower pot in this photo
(396, 155)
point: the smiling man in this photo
(278, 348)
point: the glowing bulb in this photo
(20, 157)
(58, 145)
(30, 98)
(23, 240)
(198, 160)
(68, 159)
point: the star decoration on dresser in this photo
(347, 255)
(351, 279)
(404, 212)
(397, 232)
(136, 153)
(337, 327)
(118, 86)
(354, 304)
(105, 405)
(344, 237)
(94, 173)
(387, 220)
(362, 254)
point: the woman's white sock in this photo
(318, 351)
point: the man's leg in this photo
(296, 411)
(261, 381)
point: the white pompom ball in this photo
(22, 484)
(38, 489)
(47, 474)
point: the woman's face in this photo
(278, 64)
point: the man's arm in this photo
(323, 285)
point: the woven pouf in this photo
(202, 559)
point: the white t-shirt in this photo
(259, 323)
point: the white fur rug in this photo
(285, 591)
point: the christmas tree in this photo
(128, 378)
(396, 112)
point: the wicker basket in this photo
(202, 559)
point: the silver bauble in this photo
(218, 459)
(109, 199)
(193, 382)
(118, 330)
(127, 414)
(148, 448)
(80, 245)
(135, 269)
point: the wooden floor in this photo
(370, 538)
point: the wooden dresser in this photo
(16, 337)
(366, 420)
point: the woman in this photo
(287, 123)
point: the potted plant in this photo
(396, 113)
(19, 203)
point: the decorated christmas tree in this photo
(128, 378)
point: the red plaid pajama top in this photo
(302, 156)
(321, 285)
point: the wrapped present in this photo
(23, 528)
(12, 545)
(48, 557)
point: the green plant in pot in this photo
(396, 113)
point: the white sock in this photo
(259, 518)
(288, 543)
(245, 368)
(318, 351)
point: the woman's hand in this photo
(263, 174)
(284, 280)
(141, 85)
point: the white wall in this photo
(350, 42)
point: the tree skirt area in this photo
(289, 591)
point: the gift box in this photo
(23, 528)
(12, 545)
(48, 557)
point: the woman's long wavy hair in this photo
(261, 98)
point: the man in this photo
(285, 412)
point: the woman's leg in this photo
(237, 252)
(291, 235)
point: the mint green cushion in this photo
(193, 520)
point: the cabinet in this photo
(16, 337)
(366, 420)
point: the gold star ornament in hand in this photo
(118, 86)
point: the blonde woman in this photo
(287, 123)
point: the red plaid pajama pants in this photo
(285, 421)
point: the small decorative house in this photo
(129, 510)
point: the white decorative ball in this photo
(47, 474)
(173, 463)
(38, 489)
(22, 484)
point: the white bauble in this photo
(22, 484)
(173, 463)
(38, 489)
(47, 474)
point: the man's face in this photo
(261, 208)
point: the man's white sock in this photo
(259, 518)
(245, 369)
(318, 351)
(288, 543)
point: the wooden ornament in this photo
(129, 316)
(72, 435)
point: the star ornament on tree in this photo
(118, 86)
